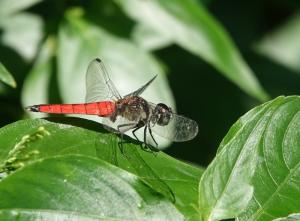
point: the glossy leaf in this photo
(7, 77)
(39, 139)
(188, 24)
(83, 185)
(282, 45)
(255, 174)
(276, 179)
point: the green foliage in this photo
(194, 29)
(256, 169)
(71, 169)
(61, 168)
(41, 139)
(57, 186)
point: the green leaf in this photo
(7, 77)
(47, 215)
(189, 25)
(282, 45)
(292, 217)
(276, 179)
(181, 179)
(27, 141)
(86, 186)
(255, 174)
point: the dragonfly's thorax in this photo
(133, 109)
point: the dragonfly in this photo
(124, 113)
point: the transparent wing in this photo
(99, 87)
(141, 89)
(179, 129)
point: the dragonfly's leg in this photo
(137, 128)
(145, 136)
(130, 125)
(148, 147)
(151, 148)
(156, 145)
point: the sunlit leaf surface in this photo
(255, 174)
(48, 215)
(86, 186)
(28, 141)
(188, 24)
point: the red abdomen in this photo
(103, 108)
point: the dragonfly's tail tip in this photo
(33, 108)
(98, 59)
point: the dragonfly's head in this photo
(162, 114)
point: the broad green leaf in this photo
(22, 32)
(7, 77)
(36, 85)
(234, 165)
(27, 141)
(255, 174)
(277, 176)
(188, 24)
(179, 177)
(86, 186)
(48, 215)
(282, 45)
(8, 7)
(128, 65)
(292, 217)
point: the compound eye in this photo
(162, 106)
(163, 114)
